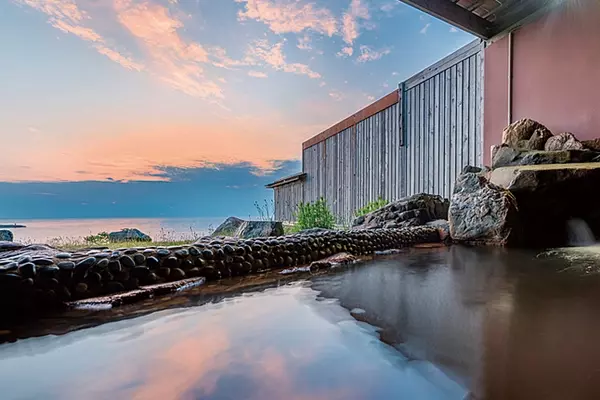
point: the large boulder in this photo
(129, 235)
(255, 229)
(238, 228)
(228, 227)
(410, 211)
(563, 141)
(521, 130)
(538, 139)
(505, 156)
(593, 144)
(6, 235)
(549, 196)
(481, 212)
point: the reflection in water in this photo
(280, 344)
(493, 323)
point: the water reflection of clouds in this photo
(253, 347)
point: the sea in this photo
(69, 230)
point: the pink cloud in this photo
(175, 61)
(304, 43)
(263, 52)
(345, 52)
(350, 21)
(66, 16)
(257, 74)
(368, 54)
(285, 16)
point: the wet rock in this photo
(27, 270)
(563, 141)
(182, 253)
(140, 272)
(127, 261)
(102, 264)
(171, 262)
(114, 287)
(481, 212)
(163, 272)
(114, 266)
(521, 130)
(63, 255)
(176, 274)
(43, 261)
(139, 259)
(163, 252)
(9, 278)
(81, 288)
(85, 263)
(9, 267)
(66, 265)
(129, 234)
(152, 262)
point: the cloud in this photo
(289, 16)
(394, 73)
(304, 43)
(389, 7)
(337, 96)
(370, 98)
(453, 29)
(175, 61)
(322, 84)
(368, 54)
(261, 52)
(350, 20)
(425, 28)
(345, 52)
(257, 74)
(66, 16)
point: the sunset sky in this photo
(186, 107)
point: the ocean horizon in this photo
(159, 229)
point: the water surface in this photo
(428, 324)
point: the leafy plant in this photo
(314, 215)
(372, 206)
(100, 238)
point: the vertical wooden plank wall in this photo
(443, 123)
(444, 126)
(361, 164)
(287, 197)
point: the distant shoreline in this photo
(13, 226)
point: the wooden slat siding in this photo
(443, 124)
(372, 109)
(458, 56)
(287, 198)
(480, 91)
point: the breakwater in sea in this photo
(39, 277)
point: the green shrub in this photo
(100, 238)
(372, 206)
(314, 215)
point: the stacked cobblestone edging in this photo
(37, 276)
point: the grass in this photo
(372, 206)
(78, 245)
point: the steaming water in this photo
(493, 323)
(579, 233)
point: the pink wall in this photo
(556, 74)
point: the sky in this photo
(174, 108)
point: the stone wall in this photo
(35, 277)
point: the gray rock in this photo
(563, 141)
(505, 156)
(481, 212)
(228, 227)
(129, 234)
(410, 211)
(521, 130)
(6, 235)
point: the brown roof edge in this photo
(288, 179)
(370, 110)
